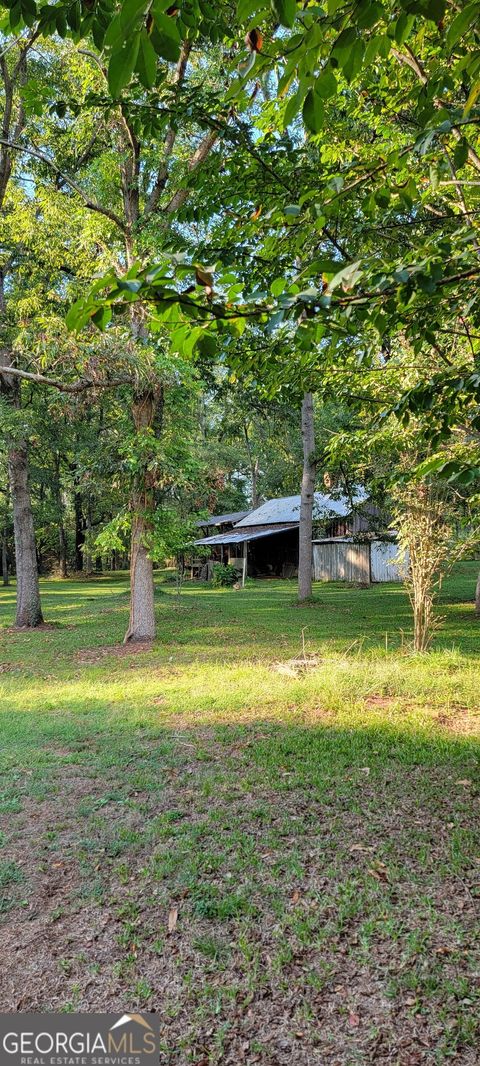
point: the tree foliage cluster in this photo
(209, 213)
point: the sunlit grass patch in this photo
(207, 834)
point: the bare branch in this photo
(410, 60)
(92, 204)
(72, 387)
(162, 175)
(195, 161)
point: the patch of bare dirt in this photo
(379, 703)
(117, 651)
(301, 990)
(460, 720)
(44, 627)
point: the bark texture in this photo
(5, 571)
(477, 597)
(29, 611)
(142, 606)
(79, 531)
(307, 499)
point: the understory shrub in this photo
(224, 574)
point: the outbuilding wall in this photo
(383, 562)
(341, 561)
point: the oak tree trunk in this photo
(79, 531)
(5, 571)
(477, 597)
(306, 500)
(29, 611)
(62, 550)
(142, 605)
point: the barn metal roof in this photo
(219, 519)
(238, 536)
(287, 509)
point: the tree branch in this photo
(92, 204)
(162, 174)
(195, 161)
(72, 387)
(410, 60)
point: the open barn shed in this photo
(264, 542)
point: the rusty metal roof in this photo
(287, 509)
(238, 536)
(219, 519)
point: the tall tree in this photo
(307, 499)
(13, 69)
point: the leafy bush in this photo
(224, 575)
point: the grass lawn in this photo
(282, 860)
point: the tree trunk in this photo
(477, 597)
(29, 611)
(79, 532)
(62, 535)
(5, 573)
(306, 500)
(87, 555)
(142, 606)
(62, 550)
(254, 468)
(255, 495)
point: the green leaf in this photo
(285, 11)
(115, 33)
(130, 285)
(122, 65)
(313, 112)
(326, 85)
(368, 14)
(344, 42)
(277, 286)
(166, 39)
(29, 11)
(347, 277)
(403, 27)
(461, 23)
(102, 317)
(131, 11)
(354, 61)
(146, 67)
(74, 16)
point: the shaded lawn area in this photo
(283, 862)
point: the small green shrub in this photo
(224, 575)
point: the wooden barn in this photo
(264, 542)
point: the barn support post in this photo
(245, 562)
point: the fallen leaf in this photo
(172, 919)
(353, 1019)
(379, 871)
(464, 781)
(361, 847)
(295, 896)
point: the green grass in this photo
(313, 831)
